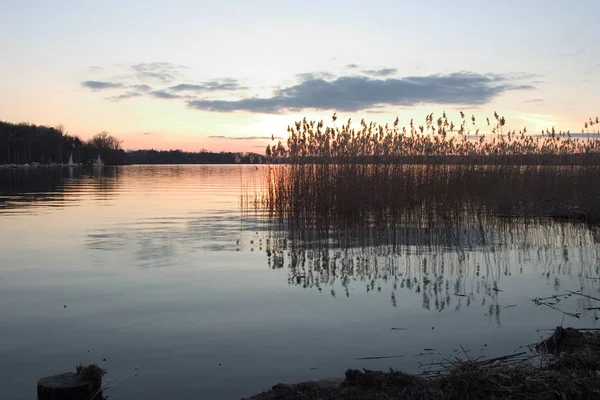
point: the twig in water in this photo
(422, 354)
(492, 360)
(583, 295)
(574, 315)
(553, 297)
(463, 349)
(377, 358)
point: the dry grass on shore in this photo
(567, 368)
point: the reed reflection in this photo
(448, 268)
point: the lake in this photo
(157, 274)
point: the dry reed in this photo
(345, 196)
(438, 140)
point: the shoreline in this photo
(37, 165)
(565, 365)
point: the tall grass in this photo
(440, 141)
(347, 196)
(341, 177)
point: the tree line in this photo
(28, 143)
(184, 157)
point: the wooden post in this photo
(66, 387)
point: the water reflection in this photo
(55, 187)
(449, 268)
(449, 263)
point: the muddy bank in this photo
(564, 366)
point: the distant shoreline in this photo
(207, 158)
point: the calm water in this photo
(154, 273)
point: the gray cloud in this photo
(124, 96)
(187, 86)
(161, 94)
(99, 85)
(160, 76)
(380, 72)
(318, 90)
(226, 84)
(352, 66)
(360, 93)
(141, 88)
(158, 72)
(309, 76)
(137, 79)
(515, 76)
(534, 101)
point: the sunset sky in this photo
(225, 75)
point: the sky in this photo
(226, 75)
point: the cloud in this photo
(161, 94)
(534, 101)
(137, 80)
(380, 72)
(158, 72)
(187, 86)
(141, 88)
(379, 89)
(354, 93)
(124, 96)
(210, 86)
(99, 85)
(146, 133)
(315, 75)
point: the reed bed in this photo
(341, 177)
(322, 197)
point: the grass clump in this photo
(91, 373)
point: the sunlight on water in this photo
(158, 275)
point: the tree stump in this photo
(65, 387)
